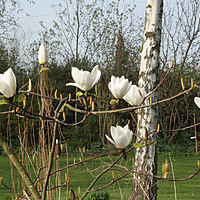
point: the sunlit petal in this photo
(8, 85)
(84, 79)
(133, 96)
(119, 86)
(197, 101)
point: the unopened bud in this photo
(55, 94)
(42, 55)
(145, 134)
(182, 84)
(113, 175)
(172, 63)
(1, 179)
(133, 162)
(66, 177)
(90, 100)
(79, 191)
(29, 85)
(166, 167)
(34, 155)
(150, 100)
(70, 96)
(158, 128)
(64, 116)
(192, 83)
(93, 105)
(17, 109)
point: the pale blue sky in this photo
(42, 11)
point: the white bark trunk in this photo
(144, 187)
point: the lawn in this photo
(183, 167)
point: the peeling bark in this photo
(145, 187)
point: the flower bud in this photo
(1, 179)
(182, 84)
(145, 134)
(42, 55)
(166, 167)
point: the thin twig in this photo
(173, 176)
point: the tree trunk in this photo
(145, 187)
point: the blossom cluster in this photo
(120, 88)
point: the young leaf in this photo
(20, 98)
(2, 101)
(78, 94)
(137, 145)
(113, 102)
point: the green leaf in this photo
(20, 98)
(113, 102)
(78, 94)
(144, 140)
(44, 70)
(137, 145)
(2, 101)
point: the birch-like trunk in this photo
(145, 187)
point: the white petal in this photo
(72, 84)
(110, 140)
(5, 89)
(119, 86)
(113, 131)
(84, 79)
(8, 77)
(122, 141)
(197, 101)
(75, 73)
(133, 96)
(97, 78)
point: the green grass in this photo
(183, 167)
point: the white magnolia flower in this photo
(197, 101)
(85, 80)
(121, 136)
(42, 55)
(133, 96)
(119, 86)
(8, 83)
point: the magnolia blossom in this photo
(119, 86)
(42, 55)
(197, 101)
(85, 80)
(8, 83)
(121, 136)
(133, 96)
